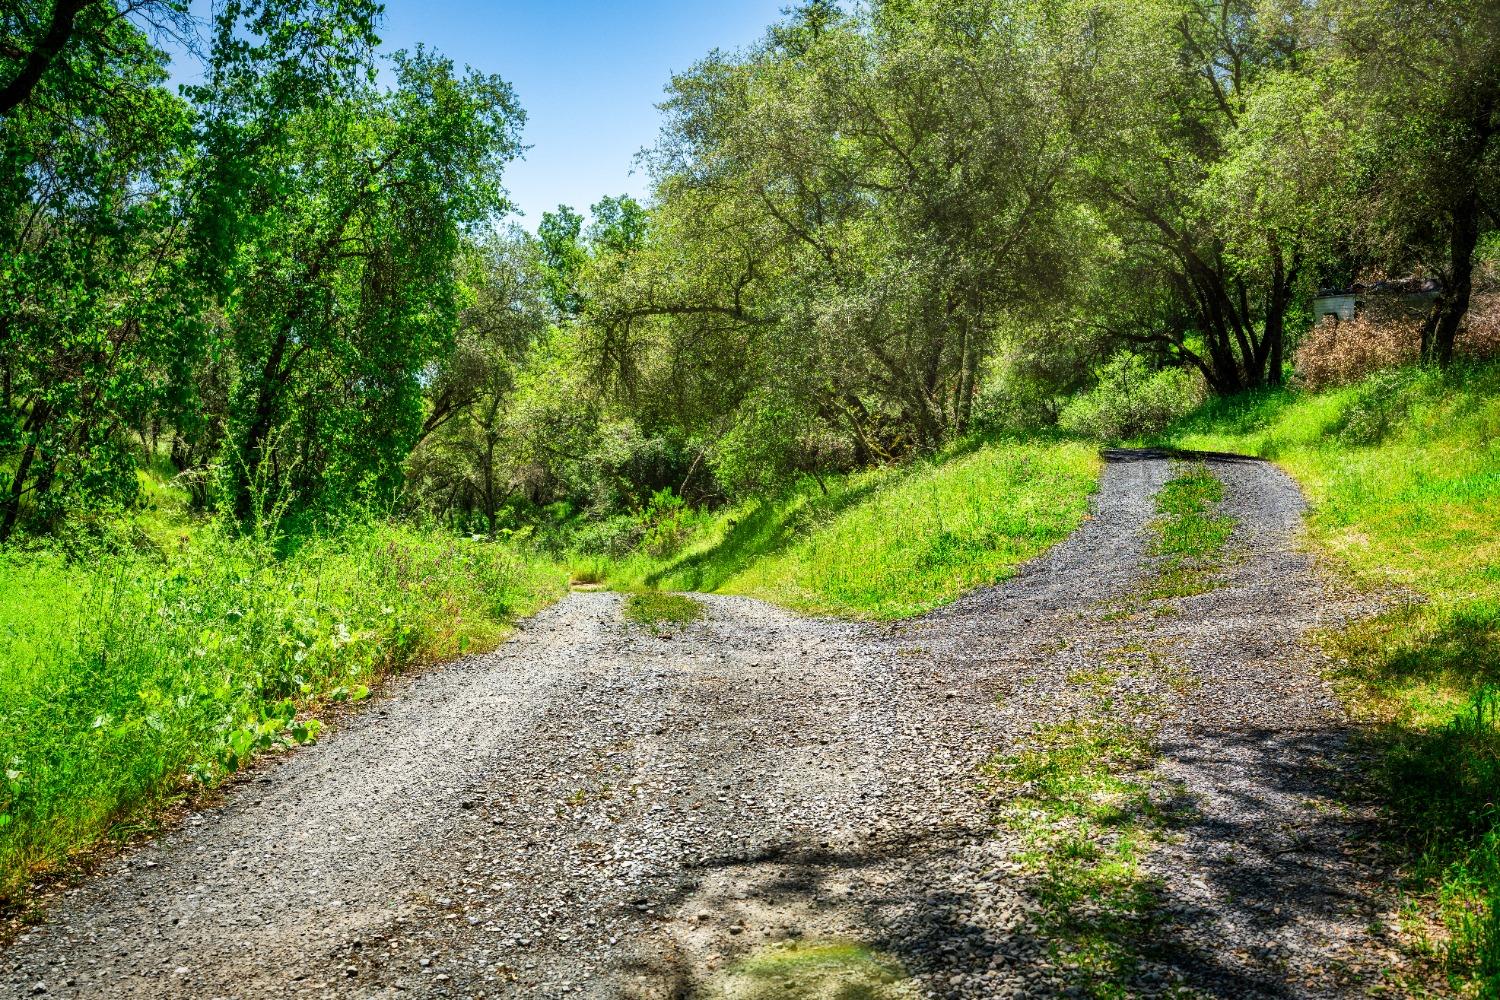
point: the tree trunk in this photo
(1441, 329)
(1273, 335)
(260, 425)
(34, 424)
(1276, 335)
(964, 405)
(42, 54)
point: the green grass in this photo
(889, 543)
(813, 970)
(1078, 797)
(1188, 528)
(1403, 472)
(656, 611)
(131, 677)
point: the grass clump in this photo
(889, 543)
(1403, 472)
(814, 970)
(1188, 528)
(1079, 798)
(656, 611)
(130, 677)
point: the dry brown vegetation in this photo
(1388, 332)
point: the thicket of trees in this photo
(250, 280)
(876, 230)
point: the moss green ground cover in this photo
(1403, 471)
(129, 677)
(889, 543)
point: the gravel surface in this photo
(596, 811)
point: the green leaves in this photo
(278, 728)
(347, 224)
(259, 277)
(96, 319)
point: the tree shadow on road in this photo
(1257, 880)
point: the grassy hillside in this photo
(887, 543)
(1403, 471)
(135, 673)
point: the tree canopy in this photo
(877, 230)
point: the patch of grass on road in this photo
(1189, 537)
(889, 543)
(1079, 799)
(1403, 473)
(656, 611)
(1188, 529)
(814, 970)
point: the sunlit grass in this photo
(1188, 528)
(124, 674)
(655, 610)
(890, 543)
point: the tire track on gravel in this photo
(593, 811)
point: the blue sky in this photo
(589, 74)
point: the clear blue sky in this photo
(588, 72)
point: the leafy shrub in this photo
(1129, 401)
(1015, 403)
(666, 524)
(772, 445)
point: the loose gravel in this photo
(596, 811)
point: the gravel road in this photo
(595, 811)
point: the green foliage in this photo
(890, 543)
(563, 258)
(1130, 402)
(335, 225)
(1428, 155)
(98, 330)
(840, 227)
(126, 671)
(257, 277)
(477, 425)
